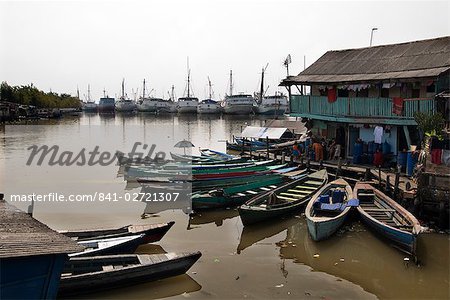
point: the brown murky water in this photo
(274, 260)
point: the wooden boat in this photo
(327, 209)
(233, 196)
(92, 274)
(152, 232)
(191, 158)
(119, 245)
(217, 154)
(286, 199)
(387, 217)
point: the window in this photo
(431, 88)
(384, 93)
(342, 93)
(415, 93)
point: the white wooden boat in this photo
(120, 245)
(327, 209)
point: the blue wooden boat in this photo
(387, 217)
(92, 274)
(284, 200)
(327, 209)
(120, 245)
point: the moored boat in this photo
(286, 199)
(275, 105)
(89, 106)
(119, 245)
(91, 274)
(387, 217)
(124, 104)
(152, 232)
(328, 208)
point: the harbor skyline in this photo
(62, 45)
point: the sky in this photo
(62, 45)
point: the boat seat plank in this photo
(252, 192)
(379, 210)
(298, 191)
(241, 195)
(306, 187)
(286, 198)
(313, 182)
(291, 195)
(264, 189)
(273, 186)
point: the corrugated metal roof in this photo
(425, 58)
(21, 235)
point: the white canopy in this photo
(263, 132)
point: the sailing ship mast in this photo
(210, 88)
(143, 91)
(123, 89)
(231, 82)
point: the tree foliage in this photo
(30, 95)
(430, 124)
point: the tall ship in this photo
(124, 104)
(275, 105)
(106, 104)
(209, 106)
(241, 104)
(90, 105)
(187, 104)
(147, 104)
(167, 106)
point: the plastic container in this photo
(401, 159)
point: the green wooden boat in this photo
(284, 200)
(235, 195)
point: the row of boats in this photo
(238, 104)
(267, 191)
(108, 260)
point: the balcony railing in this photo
(358, 107)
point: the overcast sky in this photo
(60, 45)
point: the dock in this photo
(31, 255)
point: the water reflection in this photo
(362, 258)
(257, 232)
(212, 216)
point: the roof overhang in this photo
(309, 79)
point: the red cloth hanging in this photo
(436, 156)
(397, 105)
(332, 95)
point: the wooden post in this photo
(338, 171)
(301, 161)
(397, 181)
(250, 145)
(267, 147)
(367, 174)
(321, 164)
(283, 158)
(308, 164)
(379, 176)
(388, 184)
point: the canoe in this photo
(233, 196)
(119, 245)
(216, 154)
(152, 232)
(191, 158)
(327, 209)
(387, 217)
(92, 274)
(284, 200)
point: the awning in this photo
(263, 132)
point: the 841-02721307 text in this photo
(156, 197)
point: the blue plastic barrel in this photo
(411, 161)
(401, 159)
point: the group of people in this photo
(318, 149)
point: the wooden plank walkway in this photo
(22, 235)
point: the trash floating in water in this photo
(406, 259)
(294, 245)
(335, 264)
(216, 260)
(316, 255)
(237, 278)
(279, 286)
(341, 259)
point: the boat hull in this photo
(238, 109)
(250, 215)
(125, 247)
(405, 241)
(324, 229)
(278, 111)
(98, 281)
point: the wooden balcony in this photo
(361, 109)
